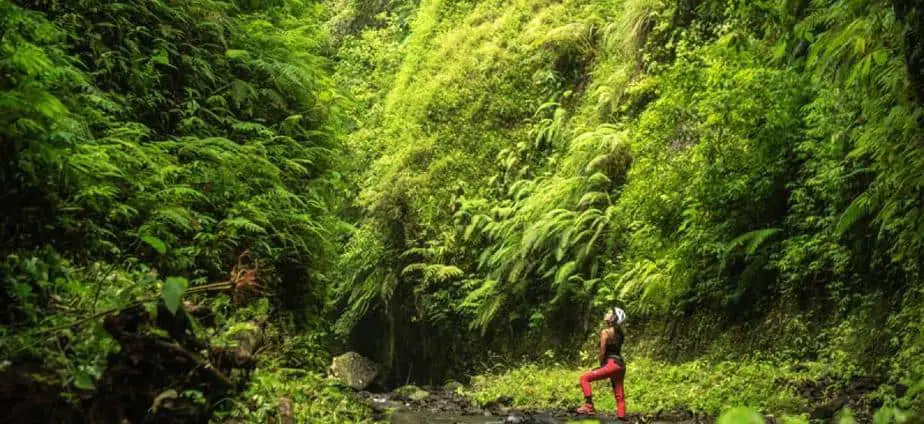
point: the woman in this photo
(612, 365)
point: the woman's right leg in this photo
(619, 393)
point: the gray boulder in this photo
(354, 370)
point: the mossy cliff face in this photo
(725, 171)
(449, 186)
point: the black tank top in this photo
(614, 345)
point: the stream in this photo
(446, 407)
(420, 417)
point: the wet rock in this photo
(499, 406)
(521, 418)
(354, 370)
(452, 386)
(381, 403)
(412, 392)
(515, 418)
(504, 400)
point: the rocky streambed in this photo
(414, 405)
(444, 405)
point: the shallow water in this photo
(422, 417)
(415, 417)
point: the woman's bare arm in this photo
(602, 353)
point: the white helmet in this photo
(615, 315)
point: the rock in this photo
(354, 370)
(515, 418)
(521, 418)
(499, 406)
(412, 392)
(504, 400)
(381, 403)
(452, 386)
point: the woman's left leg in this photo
(609, 370)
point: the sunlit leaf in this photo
(155, 243)
(174, 287)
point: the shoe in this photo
(587, 409)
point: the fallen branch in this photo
(201, 363)
(243, 277)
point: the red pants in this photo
(615, 373)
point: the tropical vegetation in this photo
(459, 188)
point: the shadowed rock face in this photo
(354, 370)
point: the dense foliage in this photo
(448, 185)
(146, 139)
(742, 176)
(198, 125)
